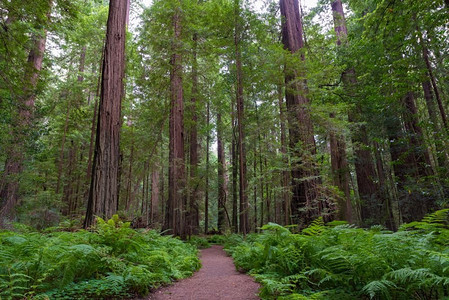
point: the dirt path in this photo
(216, 280)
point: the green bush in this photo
(339, 261)
(199, 242)
(114, 261)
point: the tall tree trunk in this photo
(234, 163)
(409, 161)
(206, 200)
(243, 184)
(425, 53)
(155, 198)
(103, 193)
(64, 135)
(418, 148)
(193, 210)
(9, 187)
(262, 202)
(221, 176)
(255, 190)
(340, 172)
(304, 171)
(68, 197)
(94, 123)
(176, 191)
(284, 173)
(129, 194)
(436, 128)
(365, 170)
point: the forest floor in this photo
(216, 280)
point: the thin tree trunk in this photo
(155, 198)
(284, 173)
(388, 207)
(244, 221)
(234, 174)
(129, 197)
(425, 53)
(221, 176)
(262, 202)
(68, 187)
(61, 155)
(267, 192)
(103, 194)
(206, 200)
(255, 190)
(436, 129)
(193, 210)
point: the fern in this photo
(315, 228)
(379, 288)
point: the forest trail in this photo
(216, 280)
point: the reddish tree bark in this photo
(339, 162)
(243, 184)
(193, 221)
(206, 200)
(155, 201)
(433, 116)
(234, 163)
(175, 220)
(103, 193)
(304, 172)
(340, 173)
(284, 173)
(221, 177)
(9, 187)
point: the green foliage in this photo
(199, 242)
(115, 261)
(343, 262)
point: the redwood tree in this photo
(103, 193)
(175, 214)
(21, 122)
(302, 141)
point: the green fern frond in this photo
(379, 288)
(315, 228)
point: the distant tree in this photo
(22, 118)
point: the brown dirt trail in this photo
(216, 280)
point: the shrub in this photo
(114, 261)
(340, 261)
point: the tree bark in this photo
(340, 173)
(339, 162)
(234, 163)
(425, 53)
(15, 157)
(176, 193)
(193, 209)
(244, 220)
(103, 193)
(284, 173)
(221, 177)
(364, 165)
(436, 128)
(206, 200)
(301, 133)
(155, 201)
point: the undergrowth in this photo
(112, 262)
(340, 261)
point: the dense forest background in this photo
(229, 117)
